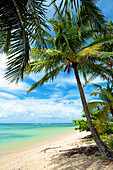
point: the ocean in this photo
(14, 136)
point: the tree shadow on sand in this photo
(82, 158)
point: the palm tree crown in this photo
(23, 23)
(69, 48)
(106, 102)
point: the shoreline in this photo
(48, 156)
(58, 142)
(37, 142)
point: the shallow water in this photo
(16, 136)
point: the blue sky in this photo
(57, 102)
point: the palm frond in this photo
(88, 51)
(22, 23)
(49, 76)
(89, 79)
(97, 86)
(97, 69)
(95, 105)
(102, 117)
(85, 10)
(106, 96)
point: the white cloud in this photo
(7, 95)
(4, 84)
(2, 61)
(41, 108)
(56, 108)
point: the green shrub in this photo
(110, 128)
(81, 125)
(100, 125)
(104, 137)
(110, 141)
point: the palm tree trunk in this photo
(111, 110)
(101, 146)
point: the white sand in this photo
(47, 155)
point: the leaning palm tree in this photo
(68, 51)
(23, 24)
(106, 102)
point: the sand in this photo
(50, 155)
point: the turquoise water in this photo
(16, 136)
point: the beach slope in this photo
(50, 155)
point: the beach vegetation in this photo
(100, 111)
(110, 141)
(101, 125)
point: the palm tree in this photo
(68, 51)
(23, 24)
(106, 102)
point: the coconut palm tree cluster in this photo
(82, 42)
(100, 111)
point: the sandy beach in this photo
(52, 155)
